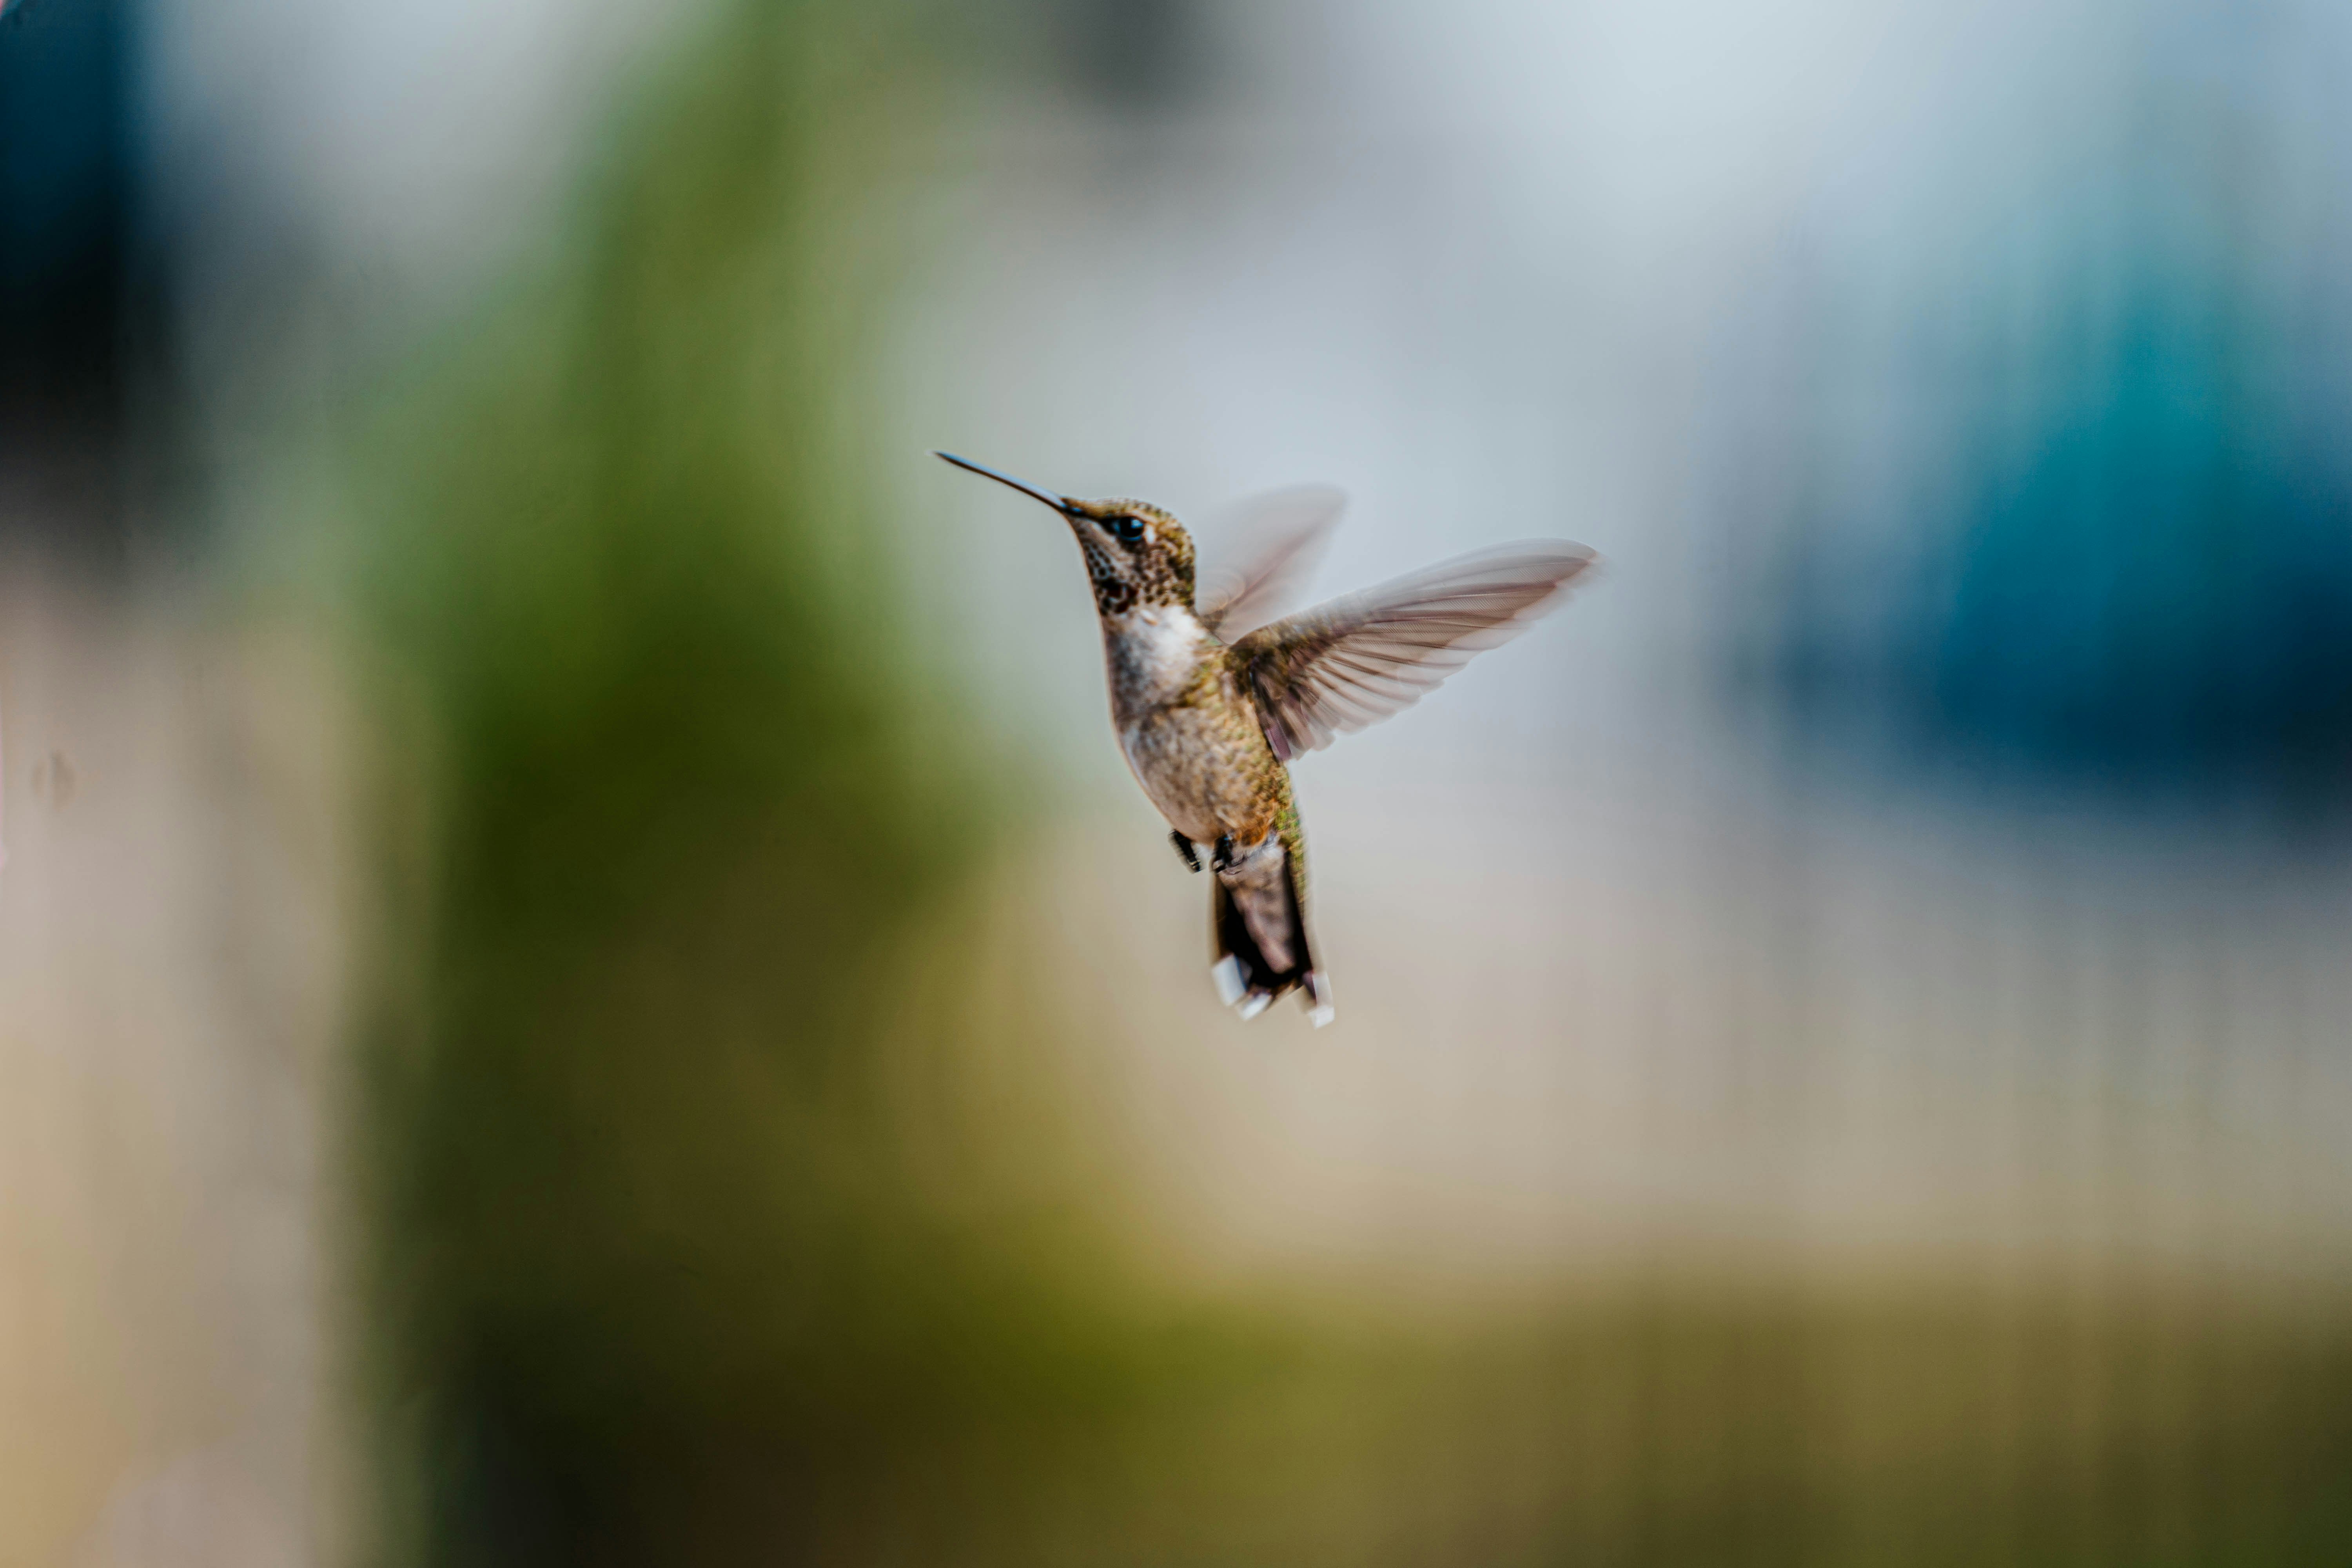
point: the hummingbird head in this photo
(1137, 556)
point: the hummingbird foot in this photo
(1184, 850)
(1221, 854)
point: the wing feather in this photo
(1358, 659)
(1285, 533)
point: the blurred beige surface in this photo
(173, 937)
(1583, 1034)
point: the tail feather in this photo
(1234, 941)
(1255, 966)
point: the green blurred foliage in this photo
(638, 1212)
(721, 1200)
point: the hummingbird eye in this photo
(1126, 530)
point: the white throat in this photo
(1152, 652)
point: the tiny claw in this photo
(1184, 850)
(1221, 856)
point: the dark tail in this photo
(1258, 927)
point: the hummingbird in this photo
(1213, 698)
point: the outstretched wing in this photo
(1356, 660)
(1283, 535)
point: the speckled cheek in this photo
(1113, 594)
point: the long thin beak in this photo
(1023, 486)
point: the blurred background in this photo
(582, 982)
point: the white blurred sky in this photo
(414, 147)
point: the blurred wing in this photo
(1356, 660)
(1282, 537)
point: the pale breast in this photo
(1175, 756)
(1178, 750)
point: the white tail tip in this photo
(1227, 972)
(1258, 1002)
(1319, 998)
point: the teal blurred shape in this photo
(2162, 587)
(2070, 503)
(82, 271)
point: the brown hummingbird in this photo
(1209, 727)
